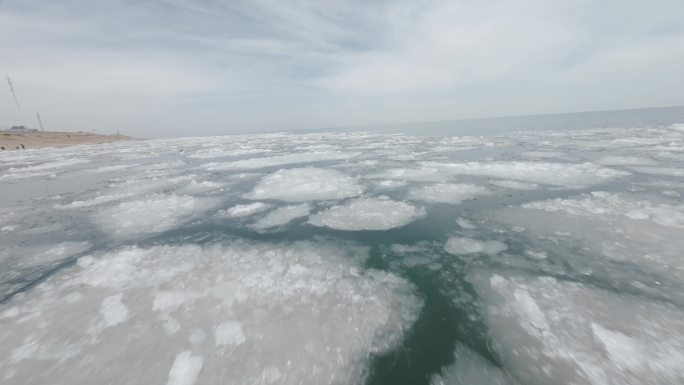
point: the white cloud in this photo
(182, 67)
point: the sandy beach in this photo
(40, 139)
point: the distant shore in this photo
(41, 139)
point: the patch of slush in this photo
(292, 313)
(305, 184)
(280, 160)
(389, 184)
(425, 174)
(452, 193)
(221, 152)
(155, 214)
(246, 210)
(664, 171)
(557, 174)
(185, 369)
(47, 168)
(195, 187)
(614, 160)
(462, 246)
(543, 154)
(113, 310)
(514, 185)
(625, 240)
(21, 265)
(98, 200)
(229, 333)
(604, 203)
(552, 332)
(367, 214)
(465, 223)
(470, 368)
(282, 215)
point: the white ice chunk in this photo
(185, 369)
(543, 154)
(229, 333)
(465, 223)
(470, 368)
(98, 200)
(558, 174)
(245, 210)
(446, 192)
(281, 160)
(549, 331)
(367, 214)
(616, 160)
(514, 185)
(282, 215)
(47, 168)
(155, 214)
(604, 203)
(113, 310)
(425, 174)
(652, 170)
(306, 184)
(461, 246)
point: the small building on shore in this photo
(16, 129)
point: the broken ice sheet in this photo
(572, 175)
(453, 193)
(464, 246)
(235, 313)
(550, 331)
(282, 215)
(626, 239)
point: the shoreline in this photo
(12, 141)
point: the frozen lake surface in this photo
(346, 258)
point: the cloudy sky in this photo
(182, 67)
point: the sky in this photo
(183, 68)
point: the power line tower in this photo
(40, 122)
(16, 101)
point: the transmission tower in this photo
(40, 122)
(16, 101)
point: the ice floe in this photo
(462, 246)
(550, 331)
(453, 193)
(305, 184)
(557, 174)
(604, 203)
(514, 185)
(155, 214)
(185, 369)
(425, 174)
(652, 170)
(300, 312)
(245, 210)
(280, 160)
(367, 214)
(616, 160)
(282, 215)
